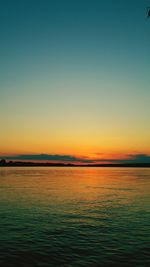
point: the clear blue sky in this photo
(74, 76)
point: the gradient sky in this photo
(74, 77)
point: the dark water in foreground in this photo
(74, 217)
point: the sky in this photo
(74, 78)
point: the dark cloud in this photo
(130, 158)
(137, 158)
(47, 157)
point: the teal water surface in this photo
(74, 217)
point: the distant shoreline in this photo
(35, 164)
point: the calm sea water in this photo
(74, 217)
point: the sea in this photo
(74, 216)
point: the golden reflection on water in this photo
(49, 185)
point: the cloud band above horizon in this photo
(130, 158)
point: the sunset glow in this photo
(74, 79)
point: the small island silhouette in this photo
(4, 163)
